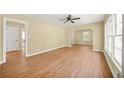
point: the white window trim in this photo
(111, 55)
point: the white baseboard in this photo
(68, 45)
(45, 51)
(84, 44)
(97, 50)
(112, 70)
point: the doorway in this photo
(83, 37)
(14, 37)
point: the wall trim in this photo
(112, 70)
(84, 44)
(40, 52)
(97, 50)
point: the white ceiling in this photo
(85, 18)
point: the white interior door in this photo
(12, 38)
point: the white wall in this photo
(69, 35)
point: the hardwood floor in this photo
(76, 62)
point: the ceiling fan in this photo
(70, 19)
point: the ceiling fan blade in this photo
(75, 18)
(65, 21)
(69, 17)
(72, 21)
(62, 19)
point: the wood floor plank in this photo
(76, 62)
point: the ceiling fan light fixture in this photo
(69, 18)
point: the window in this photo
(108, 35)
(118, 39)
(86, 36)
(113, 38)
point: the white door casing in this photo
(5, 19)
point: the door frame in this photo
(88, 29)
(5, 19)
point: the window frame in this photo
(116, 35)
(113, 21)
